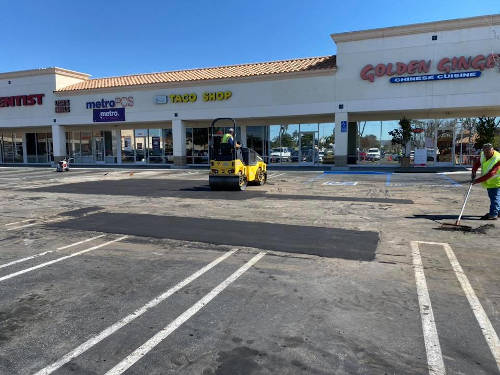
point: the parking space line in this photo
(129, 318)
(37, 223)
(449, 179)
(59, 259)
(276, 175)
(487, 329)
(48, 252)
(80, 242)
(18, 222)
(431, 339)
(144, 349)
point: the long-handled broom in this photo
(457, 225)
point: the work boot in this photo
(488, 217)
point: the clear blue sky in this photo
(107, 38)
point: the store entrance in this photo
(141, 146)
(308, 153)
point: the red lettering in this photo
(412, 67)
(454, 63)
(490, 63)
(400, 68)
(30, 100)
(389, 70)
(479, 62)
(39, 98)
(424, 67)
(463, 63)
(380, 70)
(365, 73)
(21, 100)
(444, 65)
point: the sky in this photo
(111, 38)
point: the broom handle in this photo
(463, 207)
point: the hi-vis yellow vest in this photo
(486, 165)
(226, 137)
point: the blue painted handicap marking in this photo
(341, 183)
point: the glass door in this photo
(141, 146)
(308, 153)
(99, 148)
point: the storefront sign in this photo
(21, 100)
(216, 96)
(193, 97)
(62, 106)
(122, 101)
(155, 142)
(109, 115)
(445, 65)
(436, 77)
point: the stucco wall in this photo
(381, 95)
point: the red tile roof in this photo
(203, 74)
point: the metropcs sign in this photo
(125, 101)
(446, 66)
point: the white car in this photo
(373, 154)
(280, 154)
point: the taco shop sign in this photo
(448, 67)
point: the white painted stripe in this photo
(58, 260)
(80, 242)
(276, 175)
(37, 223)
(484, 322)
(129, 318)
(181, 319)
(431, 339)
(19, 222)
(48, 252)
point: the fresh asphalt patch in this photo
(163, 188)
(319, 241)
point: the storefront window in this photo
(86, 155)
(8, 148)
(200, 146)
(155, 146)
(168, 145)
(256, 139)
(127, 142)
(189, 145)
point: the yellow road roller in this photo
(232, 167)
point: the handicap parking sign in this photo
(343, 126)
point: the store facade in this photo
(293, 112)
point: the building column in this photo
(118, 144)
(243, 135)
(25, 150)
(58, 142)
(341, 138)
(179, 140)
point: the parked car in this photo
(283, 154)
(373, 154)
(329, 157)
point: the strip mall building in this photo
(437, 70)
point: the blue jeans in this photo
(494, 194)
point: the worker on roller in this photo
(229, 137)
(490, 178)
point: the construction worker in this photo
(490, 178)
(229, 137)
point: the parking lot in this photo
(111, 271)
